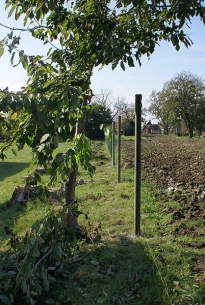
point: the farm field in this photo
(176, 167)
(163, 266)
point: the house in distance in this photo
(152, 128)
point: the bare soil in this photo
(176, 167)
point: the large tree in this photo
(181, 102)
(89, 33)
(186, 96)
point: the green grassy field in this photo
(120, 268)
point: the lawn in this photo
(165, 265)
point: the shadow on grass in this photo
(8, 169)
(118, 270)
(112, 273)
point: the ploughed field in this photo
(176, 168)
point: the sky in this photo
(162, 66)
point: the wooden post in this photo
(137, 195)
(119, 147)
(113, 143)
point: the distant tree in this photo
(125, 110)
(103, 97)
(159, 110)
(184, 96)
(96, 116)
(181, 102)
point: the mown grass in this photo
(120, 268)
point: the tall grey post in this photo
(137, 195)
(113, 143)
(119, 148)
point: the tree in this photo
(159, 109)
(124, 109)
(103, 97)
(185, 98)
(187, 92)
(90, 33)
(181, 102)
(97, 115)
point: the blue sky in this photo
(164, 64)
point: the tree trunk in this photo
(191, 130)
(71, 219)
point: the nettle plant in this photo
(83, 34)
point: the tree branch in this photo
(23, 30)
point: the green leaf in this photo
(7, 5)
(114, 65)
(36, 252)
(39, 13)
(77, 36)
(55, 141)
(24, 62)
(10, 36)
(14, 152)
(5, 299)
(52, 5)
(40, 239)
(12, 10)
(101, 300)
(51, 279)
(75, 100)
(44, 275)
(23, 285)
(1, 49)
(48, 83)
(122, 65)
(130, 61)
(12, 58)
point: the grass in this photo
(151, 269)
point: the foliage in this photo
(40, 125)
(97, 115)
(181, 102)
(34, 263)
